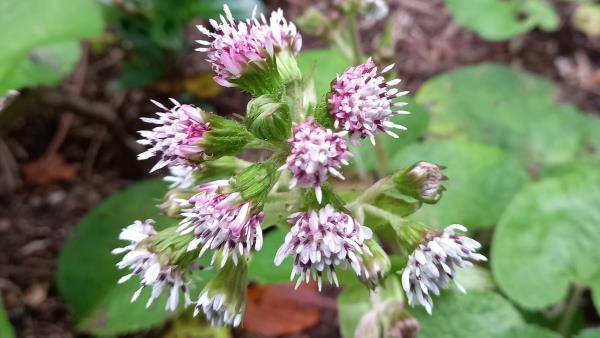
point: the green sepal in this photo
(268, 119)
(255, 182)
(329, 197)
(226, 137)
(287, 66)
(321, 113)
(171, 246)
(261, 79)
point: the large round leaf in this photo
(482, 180)
(503, 19)
(547, 238)
(262, 269)
(87, 276)
(589, 333)
(323, 65)
(474, 315)
(513, 110)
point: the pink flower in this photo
(316, 152)
(322, 240)
(176, 139)
(361, 101)
(222, 220)
(234, 45)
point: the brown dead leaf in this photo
(278, 309)
(48, 169)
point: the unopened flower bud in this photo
(226, 137)
(255, 182)
(223, 300)
(388, 319)
(313, 21)
(376, 264)
(422, 181)
(174, 201)
(268, 119)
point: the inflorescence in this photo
(226, 217)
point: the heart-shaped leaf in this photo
(547, 238)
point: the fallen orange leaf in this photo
(48, 169)
(277, 309)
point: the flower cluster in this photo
(308, 144)
(361, 101)
(222, 221)
(233, 46)
(432, 265)
(316, 152)
(321, 240)
(150, 267)
(176, 139)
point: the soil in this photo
(37, 217)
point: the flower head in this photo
(432, 265)
(235, 45)
(151, 268)
(223, 300)
(361, 102)
(181, 177)
(221, 220)
(322, 240)
(316, 153)
(176, 139)
(376, 264)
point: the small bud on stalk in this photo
(376, 264)
(223, 300)
(422, 181)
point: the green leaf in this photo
(547, 238)
(474, 315)
(481, 182)
(416, 124)
(6, 329)
(529, 331)
(503, 19)
(323, 65)
(589, 333)
(43, 66)
(262, 269)
(87, 276)
(41, 23)
(353, 303)
(496, 105)
(241, 9)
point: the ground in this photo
(37, 216)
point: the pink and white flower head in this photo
(362, 102)
(222, 221)
(432, 265)
(235, 45)
(321, 241)
(316, 152)
(150, 267)
(176, 139)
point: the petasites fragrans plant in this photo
(223, 220)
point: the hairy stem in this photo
(571, 309)
(371, 193)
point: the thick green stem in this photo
(371, 193)
(393, 219)
(570, 310)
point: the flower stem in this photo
(371, 193)
(571, 309)
(357, 55)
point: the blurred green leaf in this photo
(262, 269)
(473, 315)
(481, 182)
(475, 278)
(6, 329)
(589, 333)
(503, 19)
(323, 65)
(528, 331)
(43, 24)
(547, 238)
(416, 124)
(241, 9)
(353, 303)
(496, 105)
(87, 276)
